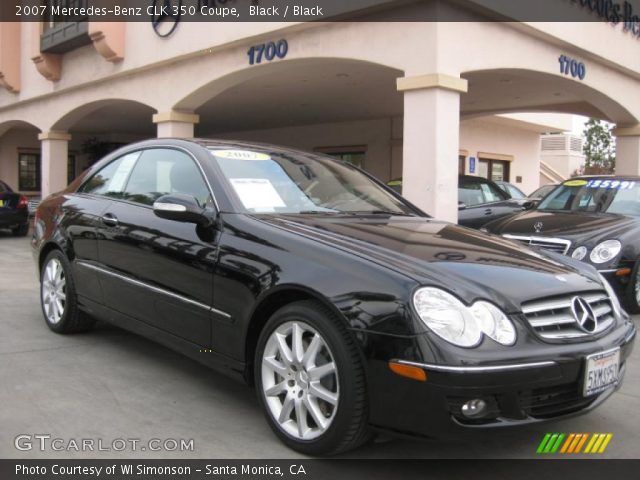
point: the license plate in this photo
(1, 203)
(601, 372)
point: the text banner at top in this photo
(615, 12)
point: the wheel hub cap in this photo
(54, 291)
(300, 380)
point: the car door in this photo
(80, 219)
(156, 270)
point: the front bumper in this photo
(516, 393)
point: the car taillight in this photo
(24, 202)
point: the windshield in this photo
(292, 182)
(513, 191)
(542, 191)
(596, 195)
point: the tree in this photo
(599, 147)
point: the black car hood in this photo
(467, 262)
(577, 227)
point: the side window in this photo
(470, 193)
(161, 171)
(110, 180)
(491, 193)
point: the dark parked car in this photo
(348, 308)
(595, 219)
(14, 213)
(479, 200)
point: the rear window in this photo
(4, 187)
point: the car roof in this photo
(604, 177)
(223, 143)
(474, 178)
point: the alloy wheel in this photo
(300, 380)
(54, 291)
(636, 286)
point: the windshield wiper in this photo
(317, 212)
(354, 212)
(379, 212)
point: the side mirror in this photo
(530, 205)
(181, 208)
(462, 206)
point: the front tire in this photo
(58, 296)
(310, 380)
(632, 295)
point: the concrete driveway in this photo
(109, 384)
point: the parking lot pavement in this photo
(109, 384)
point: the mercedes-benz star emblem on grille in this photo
(538, 226)
(585, 317)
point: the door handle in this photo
(488, 211)
(110, 220)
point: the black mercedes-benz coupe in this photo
(594, 219)
(14, 214)
(349, 309)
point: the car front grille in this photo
(559, 245)
(552, 318)
(554, 401)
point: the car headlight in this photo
(456, 323)
(579, 253)
(493, 322)
(615, 301)
(605, 251)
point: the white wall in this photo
(375, 134)
(477, 136)
(383, 138)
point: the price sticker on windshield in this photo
(613, 184)
(241, 155)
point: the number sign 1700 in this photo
(268, 51)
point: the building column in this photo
(175, 124)
(430, 142)
(54, 155)
(627, 150)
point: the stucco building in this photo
(418, 100)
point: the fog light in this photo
(474, 408)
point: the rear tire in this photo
(312, 412)
(58, 296)
(632, 295)
(21, 231)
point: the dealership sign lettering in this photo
(614, 12)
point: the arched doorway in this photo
(88, 132)
(20, 157)
(341, 107)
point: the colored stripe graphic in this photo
(603, 447)
(582, 440)
(567, 442)
(573, 443)
(543, 443)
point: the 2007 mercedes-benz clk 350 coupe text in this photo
(349, 309)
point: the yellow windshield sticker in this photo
(575, 183)
(394, 183)
(241, 155)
